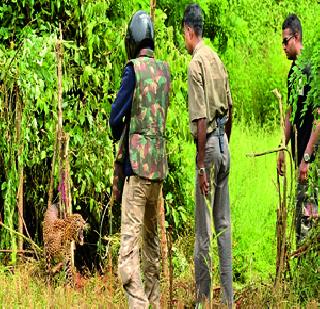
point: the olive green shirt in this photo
(209, 93)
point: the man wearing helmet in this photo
(139, 116)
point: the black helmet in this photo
(139, 34)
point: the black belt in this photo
(127, 179)
(219, 132)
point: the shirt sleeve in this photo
(229, 97)
(196, 97)
(121, 107)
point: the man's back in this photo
(208, 86)
(303, 117)
(148, 117)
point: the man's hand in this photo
(280, 163)
(303, 171)
(204, 185)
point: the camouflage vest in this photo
(147, 147)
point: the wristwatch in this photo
(201, 171)
(306, 157)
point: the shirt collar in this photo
(146, 53)
(198, 46)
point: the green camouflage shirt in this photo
(147, 147)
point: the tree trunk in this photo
(152, 9)
(63, 146)
(20, 171)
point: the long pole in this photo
(59, 76)
(281, 211)
(20, 172)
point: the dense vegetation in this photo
(247, 35)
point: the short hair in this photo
(193, 17)
(293, 23)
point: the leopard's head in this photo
(78, 226)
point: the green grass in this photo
(253, 204)
(254, 201)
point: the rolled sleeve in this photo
(196, 96)
(229, 97)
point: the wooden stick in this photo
(258, 154)
(67, 175)
(20, 171)
(68, 190)
(170, 267)
(304, 248)
(60, 134)
(52, 167)
(18, 251)
(26, 238)
(152, 9)
(110, 261)
(110, 274)
(281, 211)
(164, 244)
(59, 71)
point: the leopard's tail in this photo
(48, 265)
(69, 272)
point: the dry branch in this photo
(34, 245)
(310, 242)
(303, 249)
(281, 211)
(18, 251)
(258, 154)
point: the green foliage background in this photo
(246, 34)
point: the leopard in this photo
(57, 237)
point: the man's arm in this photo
(229, 123)
(287, 126)
(315, 133)
(287, 133)
(197, 114)
(123, 102)
(201, 143)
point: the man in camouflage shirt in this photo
(303, 131)
(209, 104)
(142, 101)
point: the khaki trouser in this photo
(139, 220)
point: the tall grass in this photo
(253, 205)
(253, 195)
(24, 288)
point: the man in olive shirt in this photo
(209, 103)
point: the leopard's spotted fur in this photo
(57, 237)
